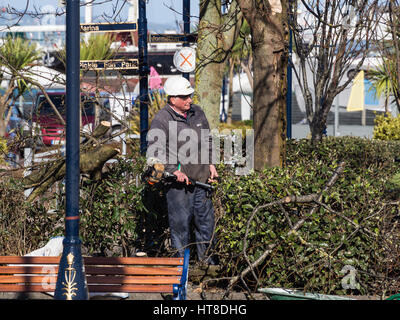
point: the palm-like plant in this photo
(17, 55)
(157, 101)
(97, 47)
(384, 79)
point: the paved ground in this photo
(194, 293)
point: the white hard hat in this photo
(178, 86)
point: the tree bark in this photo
(230, 93)
(269, 34)
(216, 36)
(4, 106)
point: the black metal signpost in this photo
(71, 279)
(116, 64)
(167, 38)
(289, 78)
(107, 27)
(143, 77)
(186, 26)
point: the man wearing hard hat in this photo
(184, 142)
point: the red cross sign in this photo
(185, 59)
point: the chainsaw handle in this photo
(192, 181)
(202, 185)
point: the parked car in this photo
(49, 125)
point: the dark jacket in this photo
(193, 154)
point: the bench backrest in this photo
(103, 274)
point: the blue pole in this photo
(186, 26)
(71, 279)
(143, 76)
(223, 116)
(289, 80)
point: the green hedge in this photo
(355, 225)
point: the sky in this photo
(157, 11)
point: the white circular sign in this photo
(185, 59)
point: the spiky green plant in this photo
(16, 56)
(157, 101)
(384, 79)
(98, 47)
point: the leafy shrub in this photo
(24, 227)
(387, 127)
(355, 224)
(111, 209)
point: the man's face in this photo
(181, 103)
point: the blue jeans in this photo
(184, 204)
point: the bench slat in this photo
(133, 280)
(26, 288)
(29, 260)
(103, 274)
(28, 279)
(131, 288)
(28, 269)
(92, 288)
(48, 279)
(133, 261)
(162, 271)
(95, 260)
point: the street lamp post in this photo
(289, 78)
(186, 27)
(143, 77)
(71, 279)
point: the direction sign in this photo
(185, 59)
(108, 27)
(116, 64)
(168, 38)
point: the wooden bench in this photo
(103, 274)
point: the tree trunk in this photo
(247, 69)
(214, 42)
(3, 127)
(269, 34)
(4, 103)
(230, 94)
(317, 127)
(269, 104)
(209, 54)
